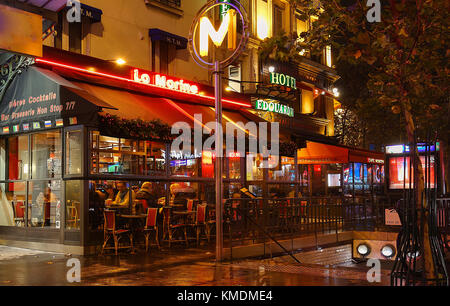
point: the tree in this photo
(407, 54)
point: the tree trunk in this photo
(421, 205)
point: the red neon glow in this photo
(164, 82)
(118, 78)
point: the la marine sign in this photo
(215, 28)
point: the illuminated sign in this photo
(203, 30)
(375, 161)
(142, 80)
(164, 82)
(207, 31)
(274, 107)
(283, 79)
(421, 148)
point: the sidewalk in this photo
(176, 267)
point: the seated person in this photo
(123, 196)
(146, 193)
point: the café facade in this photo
(72, 124)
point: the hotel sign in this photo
(283, 80)
(274, 108)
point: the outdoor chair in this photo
(73, 218)
(175, 227)
(19, 213)
(151, 226)
(110, 231)
(200, 222)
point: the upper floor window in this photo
(277, 20)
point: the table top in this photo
(132, 216)
(184, 212)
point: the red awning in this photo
(134, 105)
(319, 153)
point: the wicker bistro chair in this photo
(175, 226)
(151, 226)
(110, 231)
(19, 213)
(200, 222)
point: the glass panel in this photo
(156, 164)
(123, 156)
(12, 204)
(254, 171)
(180, 192)
(74, 151)
(18, 164)
(46, 154)
(73, 204)
(234, 163)
(285, 171)
(185, 165)
(44, 204)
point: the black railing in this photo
(252, 221)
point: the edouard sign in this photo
(203, 31)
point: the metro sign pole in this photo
(202, 31)
(219, 164)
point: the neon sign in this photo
(283, 79)
(164, 82)
(131, 80)
(274, 108)
(203, 29)
(207, 31)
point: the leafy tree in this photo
(407, 59)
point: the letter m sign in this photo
(207, 31)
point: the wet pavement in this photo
(174, 267)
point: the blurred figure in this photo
(123, 196)
(147, 193)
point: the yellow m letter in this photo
(207, 30)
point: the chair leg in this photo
(146, 242)
(170, 237)
(116, 242)
(157, 239)
(104, 244)
(185, 236)
(198, 235)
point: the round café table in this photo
(132, 222)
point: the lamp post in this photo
(202, 31)
(219, 164)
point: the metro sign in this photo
(165, 82)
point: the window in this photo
(46, 154)
(44, 204)
(162, 56)
(277, 20)
(234, 73)
(285, 171)
(254, 167)
(112, 155)
(18, 161)
(75, 36)
(12, 204)
(73, 206)
(327, 56)
(74, 144)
